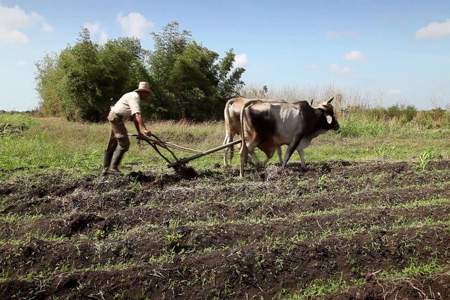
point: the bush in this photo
(15, 123)
(435, 118)
(356, 128)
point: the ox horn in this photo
(329, 101)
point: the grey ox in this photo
(268, 125)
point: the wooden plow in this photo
(172, 160)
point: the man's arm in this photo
(139, 124)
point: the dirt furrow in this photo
(203, 211)
(141, 245)
(96, 194)
(251, 270)
(436, 286)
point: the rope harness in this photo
(157, 144)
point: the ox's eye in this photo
(329, 119)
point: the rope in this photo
(167, 146)
(175, 146)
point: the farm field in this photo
(368, 218)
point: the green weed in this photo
(413, 269)
(322, 181)
(386, 151)
(425, 157)
(318, 288)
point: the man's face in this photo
(144, 95)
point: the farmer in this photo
(128, 107)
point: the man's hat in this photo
(143, 86)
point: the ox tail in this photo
(226, 115)
(244, 149)
(228, 154)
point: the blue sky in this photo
(391, 51)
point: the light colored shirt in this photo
(128, 105)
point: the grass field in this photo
(368, 218)
(48, 144)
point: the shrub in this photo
(357, 128)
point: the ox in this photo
(232, 116)
(269, 125)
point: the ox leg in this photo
(226, 152)
(244, 156)
(301, 152)
(280, 155)
(300, 149)
(248, 152)
(253, 159)
(269, 155)
(231, 149)
(292, 146)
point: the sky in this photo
(390, 52)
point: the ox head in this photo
(328, 120)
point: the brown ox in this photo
(269, 125)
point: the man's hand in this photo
(144, 134)
(140, 126)
(147, 132)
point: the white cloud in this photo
(41, 20)
(96, 32)
(134, 24)
(434, 30)
(354, 55)
(341, 34)
(13, 20)
(92, 27)
(240, 60)
(340, 70)
(103, 38)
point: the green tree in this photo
(191, 81)
(81, 95)
(80, 82)
(48, 75)
(188, 80)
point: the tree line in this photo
(188, 80)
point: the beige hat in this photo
(143, 86)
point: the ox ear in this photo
(329, 101)
(329, 119)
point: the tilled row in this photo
(267, 207)
(143, 244)
(252, 270)
(436, 286)
(95, 195)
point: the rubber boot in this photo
(107, 161)
(116, 159)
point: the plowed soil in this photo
(278, 233)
